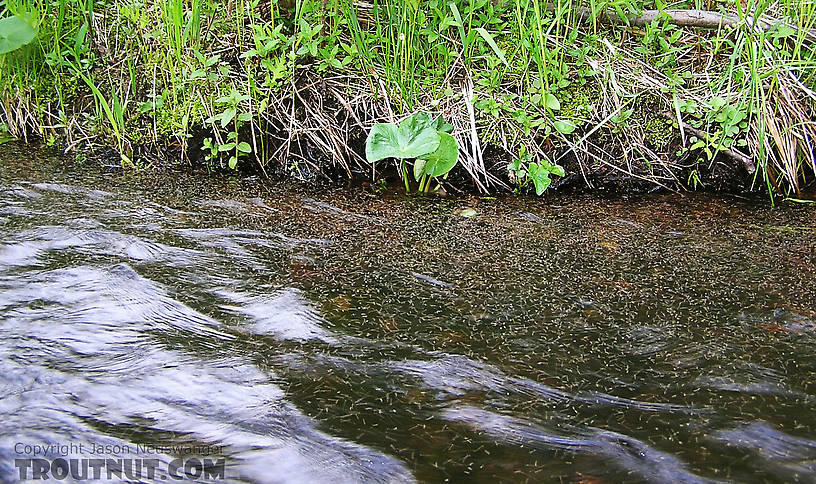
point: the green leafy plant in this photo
(723, 125)
(694, 179)
(308, 40)
(539, 96)
(269, 55)
(526, 171)
(15, 32)
(210, 149)
(232, 118)
(419, 137)
(658, 38)
(489, 106)
(414, 137)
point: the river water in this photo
(345, 336)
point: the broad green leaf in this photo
(552, 102)
(444, 158)
(227, 116)
(564, 127)
(15, 33)
(244, 147)
(233, 162)
(413, 138)
(540, 176)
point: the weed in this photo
(232, 119)
(525, 171)
(420, 137)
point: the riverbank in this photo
(619, 96)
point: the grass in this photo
(297, 84)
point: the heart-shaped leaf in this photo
(413, 138)
(15, 33)
(552, 102)
(564, 127)
(444, 158)
(540, 176)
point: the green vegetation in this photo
(421, 137)
(664, 93)
(524, 170)
(15, 32)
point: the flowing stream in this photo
(343, 336)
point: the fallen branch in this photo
(704, 19)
